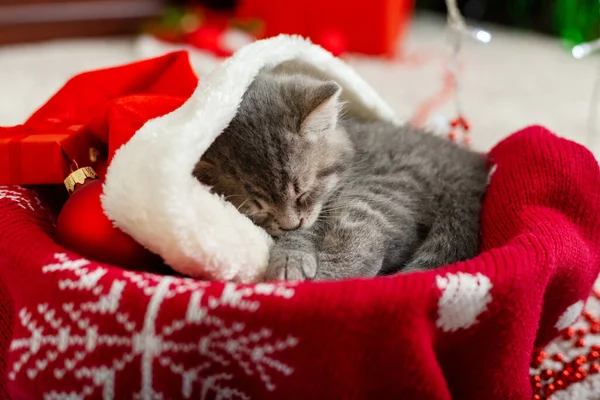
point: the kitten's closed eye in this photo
(302, 200)
(257, 204)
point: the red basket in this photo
(73, 327)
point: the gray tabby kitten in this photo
(343, 197)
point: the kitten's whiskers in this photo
(241, 205)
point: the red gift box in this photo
(29, 157)
(369, 27)
(59, 136)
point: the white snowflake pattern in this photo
(464, 297)
(60, 339)
(20, 196)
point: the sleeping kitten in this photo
(344, 197)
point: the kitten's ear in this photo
(205, 172)
(323, 110)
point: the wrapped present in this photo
(30, 157)
(372, 28)
(72, 128)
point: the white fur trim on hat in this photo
(150, 193)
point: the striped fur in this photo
(345, 197)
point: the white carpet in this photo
(517, 80)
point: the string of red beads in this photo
(546, 382)
(460, 122)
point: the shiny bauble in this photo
(83, 227)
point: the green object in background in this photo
(577, 20)
(574, 21)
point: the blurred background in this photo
(525, 75)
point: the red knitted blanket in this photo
(72, 328)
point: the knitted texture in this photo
(5, 325)
(466, 331)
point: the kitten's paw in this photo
(291, 265)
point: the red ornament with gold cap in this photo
(83, 227)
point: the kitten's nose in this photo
(287, 229)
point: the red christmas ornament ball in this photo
(83, 228)
(332, 41)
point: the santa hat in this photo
(150, 192)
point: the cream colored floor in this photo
(516, 80)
